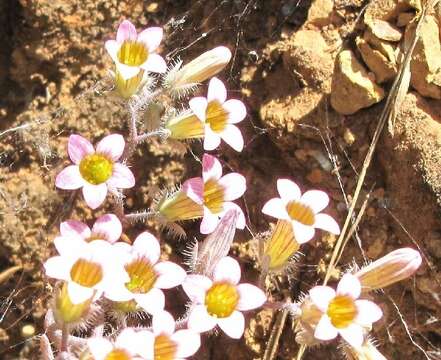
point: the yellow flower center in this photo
(165, 349)
(300, 212)
(221, 299)
(216, 116)
(342, 311)
(86, 273)
(142, 276)
(214, 195)
(133, 53)
(96, 168)
(117, 354)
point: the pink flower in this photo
(219, 116)
(95, 171)
(107, 227)
(86, 267)
(215, 193)
(124, 347)
(301, 210)
(166, 343)
(221, 300)
(133, 52)
(146, 274)
(342, 313)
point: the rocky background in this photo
(314, 76)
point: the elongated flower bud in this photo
(185, 126)
(367, 351)
(66, 312)
(395, 266)
(178, 207)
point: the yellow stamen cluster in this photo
(216, 116)
(86, 273)
(133, 53)
(221, 299)
(164, 348)
(118, 354)
(214, 195)
(96, 168)
(301, 213)
(142, 276)
(342, 311)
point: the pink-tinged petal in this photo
(195, 286)
(325, 330)
(227, 269)
(169, 275)
(68, 245)
(233, 325)
(151, 37)
(276, 208)
(58, 268)
(155, 63)
(194, 189)
(99, 347)
(112, 48)
(211, 139)
(250, 297)
(216, 90)
(317, 200)
(199, 106)
(112, 146)
(78, 293)
(233, 137)
(321, 296)
(209, 222)
(349, 285)
(75, 228)
(236, 110)
(368, 312)
(94, 195)
(353, 335)
(234, 185)
(303, 233)
(78, 147)
(211, 168)
(152, 302)
(126, 71)
(147, 245)
(288, 190)
(126, 31)
(228, 205)
(109, 227)
(163, 322)
(122, 177)
(199, 320)
(188, 342)
(147, 341)
(69, 178)
(127, 340)
(327, 223)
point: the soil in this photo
(52, 66)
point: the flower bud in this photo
(395, 266)
(367, 351)
(179, 206)
(308, 317)
(66, 312)
(127, 87)
(185, 126)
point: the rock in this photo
(352, 88)
(426, 60)
(308, 56)
(320, 12)
(384, 10)
(385, 30)
(383, 69)
(385, 47)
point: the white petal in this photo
(68, 245)
(99, 347)
(368, 312)
(78, 147)
(147, 340)
(152, 302)
(146, 244)
(228, 205)
(112, 146)
(315, 199)
(112, 48)
(94, 195)
(303, 233)
(288, 190)
(195, 286)
(78, 293)
(234, 185)
(236, 110)
(276, 208)
(127, 340)
(325, 330)
(69, 178)
(199, 106)
(250, 297)
(151, 37)
(122, 177)
(188, 342)
(169, 275)
(126, 71)
(211, 139)
(211, 167)
(163, 322)
(109, 226)
(58, 268)
(227, 269)
(234, 325)
(327, 223)
(155, 63)
(117, 292)
(233, 137)
(216, 90)
(321, 296)
(349, 285)
(209, 222)
(353, 335)
(199, 320)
